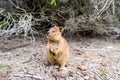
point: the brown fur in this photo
(57, 47)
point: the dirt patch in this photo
(90, 59)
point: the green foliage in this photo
(3, 24)
(103, 73)
(53, 2)
(2, 66)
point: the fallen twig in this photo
(29, 76)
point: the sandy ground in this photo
(90, 59)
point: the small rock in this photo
(86, 77)
(82, 68)
(81, 78)
(111, 79)
(60, 73)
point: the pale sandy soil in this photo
(90, 59)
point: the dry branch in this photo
(75, 15)
(23, 25)
(38, 77)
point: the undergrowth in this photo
(30, 17)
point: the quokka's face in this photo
(54, 33)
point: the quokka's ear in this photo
(61, 29)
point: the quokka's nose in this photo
(47, 34)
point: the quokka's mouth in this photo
(46, 35)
